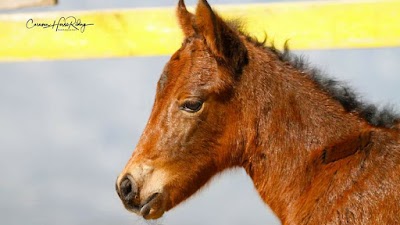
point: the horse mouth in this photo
(147, 206)
(151, 208)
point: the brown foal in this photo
(316, 154)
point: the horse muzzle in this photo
(148, 204)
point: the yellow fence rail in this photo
(149, 32)
(16, 4)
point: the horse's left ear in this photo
(223, 41)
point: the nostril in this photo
(127, 189)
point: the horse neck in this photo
(289, 120)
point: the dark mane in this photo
(385, 117)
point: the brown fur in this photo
(311, 159)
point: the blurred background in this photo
(67, 128)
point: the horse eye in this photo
(191, 106)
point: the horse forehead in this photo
(193, 55)
(189, 46)
(194, 47)
(191, 63)
(194, 42)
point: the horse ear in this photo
(223, 41)
(185, 19)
